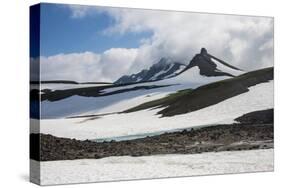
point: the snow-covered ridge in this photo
(190, 78)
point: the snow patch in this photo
(159, 166)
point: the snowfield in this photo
(259, 97)
(160, 166)
(78, 105)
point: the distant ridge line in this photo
(66, 82)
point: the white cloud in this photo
(74, 66)
(87, 66)
(116, 62)
(236, 39)
(243, 41)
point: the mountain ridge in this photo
(208, 64)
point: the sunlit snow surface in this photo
(259, 97)
(160, 166)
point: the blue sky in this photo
(62, 33)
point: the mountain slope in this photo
(190, 100)
(116, 98)
(165, 68)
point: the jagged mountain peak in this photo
(164, 68)
(203, 51)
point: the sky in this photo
(88, 43)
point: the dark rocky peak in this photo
(208, 67)
(202, 59)
(203, 51)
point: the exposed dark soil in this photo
(257, 117)
(242, 136)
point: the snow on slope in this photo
(78, 105)
(161, 72)
(188, 79)
(224, 68)
(177, 71)
(259, 97)
(160, 166)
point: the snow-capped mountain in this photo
(164, 68)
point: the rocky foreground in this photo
(255, 131)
